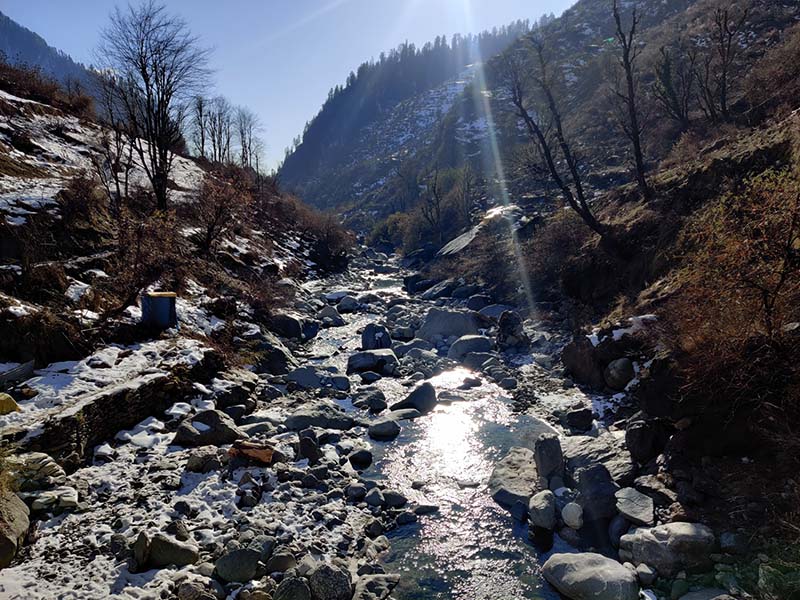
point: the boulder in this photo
(606, 449)
(581, 363)
(547, 455)
(478, 301)
(645, 439)
(370, 399)
(495, 311)
(447, 323)
(635, 506)
(207, 428)
(514, 480)
(469, 343)
(596, 492)
(35, 471)
(422, 399)
(402, 349)
(320, 414)
(274, 357)
(292, 588)
(14, 525)
(580, 419)
(329, 583)
(381, 361)
(619, 373)
(375, 337)
(511, 333)
(238, 566)
(330, 317)
(440, 290)
(8, 404)
(292, 326)
(307, 377)
(671, 548)
(375, 587)
(542, 510)
(384, 429)
(164, 551)
(572, 515)
(348, 304)
(590, 576)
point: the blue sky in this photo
(280, 57)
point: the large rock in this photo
(596, 492)
(14, 524)
(606, 449)
(320, 414)
(645, 439)
(447, 323)
(375, 337)
(207, 428)
(514, 480)
(165, 551)
(238, 566)
(542, 510)
(619, 373)
(375, 587)
(469, 343)
(330, 317)
(384, 429)
(35, 471)
(635, 506)
(590, 576)
(274, 357)
(292, 588)
(293, 326)
(511, 333)
(580, 360)
(329, 583)
(670, 548)
(548, 456)
(422, 399)
(440, 290)
(381, 361)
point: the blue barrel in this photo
(158, 310)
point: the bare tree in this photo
(247, 128)
(432, 205)
(200, 124)
(716, 70)
(115, 161)
(464, 192)
(220, 129)
(157, 65)
(548, 137)
(674, 85)
(630, 120)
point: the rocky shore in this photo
(260, 483)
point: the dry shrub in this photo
(29, 82)
(734, 326)
(774, 81)
(222, 200)
(549, 249)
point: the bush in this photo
(222, 200)
(28, 82)
(734, 324)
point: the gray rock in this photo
(307, 377)
(239, 566)
(478, 302)
(374, 497)
(671, 548)
(635, 506)
(348, 304)
(606, 449)
(293, 326)
(165, 551)
(422, 399)
(495, 311)
(469, 343)
(207, 428)
(375, 337)
(381, 361)
(320, 414)
(476, 360)
(596, 492)
(548, 456)
(645, 574)
(34, 471)
(274, 357)
(619, 373)
(707, 594)
(447, 323)
(329, 583)
(514, 480)
(580, 418)
(542, 510)
(281, 560)
(508, 383)
(394, 499)
(331, 317)
(572, 515)
(360, 459)
(384, 429)
(14, 524)
(292, 588)
(402, 349)
(375, 587)
(590, 576)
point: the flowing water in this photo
(471, 548)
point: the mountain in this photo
(19, 45)
(384, 109)
(445, 123)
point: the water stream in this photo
(471, 548)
